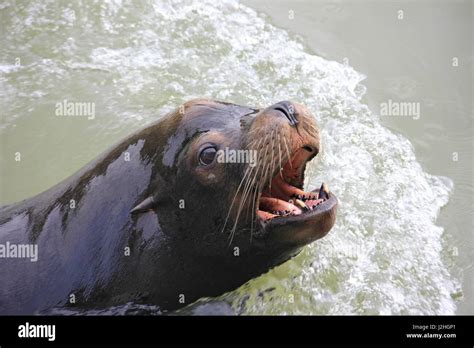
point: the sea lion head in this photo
(228, 187)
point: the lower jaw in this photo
(300, 230)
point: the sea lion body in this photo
(145, 222)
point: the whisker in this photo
(288, 152)
(253, 142)
(239, 210)
(254, 211)
(243, 198)
(272, 160)
(253, 179)
(264, 175)
(313, 127)
(247, 172)
(264, 178)
(279, 155)
(257, 192)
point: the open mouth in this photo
(284, 198)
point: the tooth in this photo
(323, 191)
(300, 204)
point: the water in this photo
(386, 254)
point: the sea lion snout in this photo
(287, 137)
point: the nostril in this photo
(308, 148)
(285, 112)
(288, 110)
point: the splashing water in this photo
(137, 60)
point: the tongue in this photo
(313, 202)
(264, 215)
(280, 189)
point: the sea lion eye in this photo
(207, 155)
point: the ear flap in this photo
(147, 204)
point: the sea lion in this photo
(165, 218)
